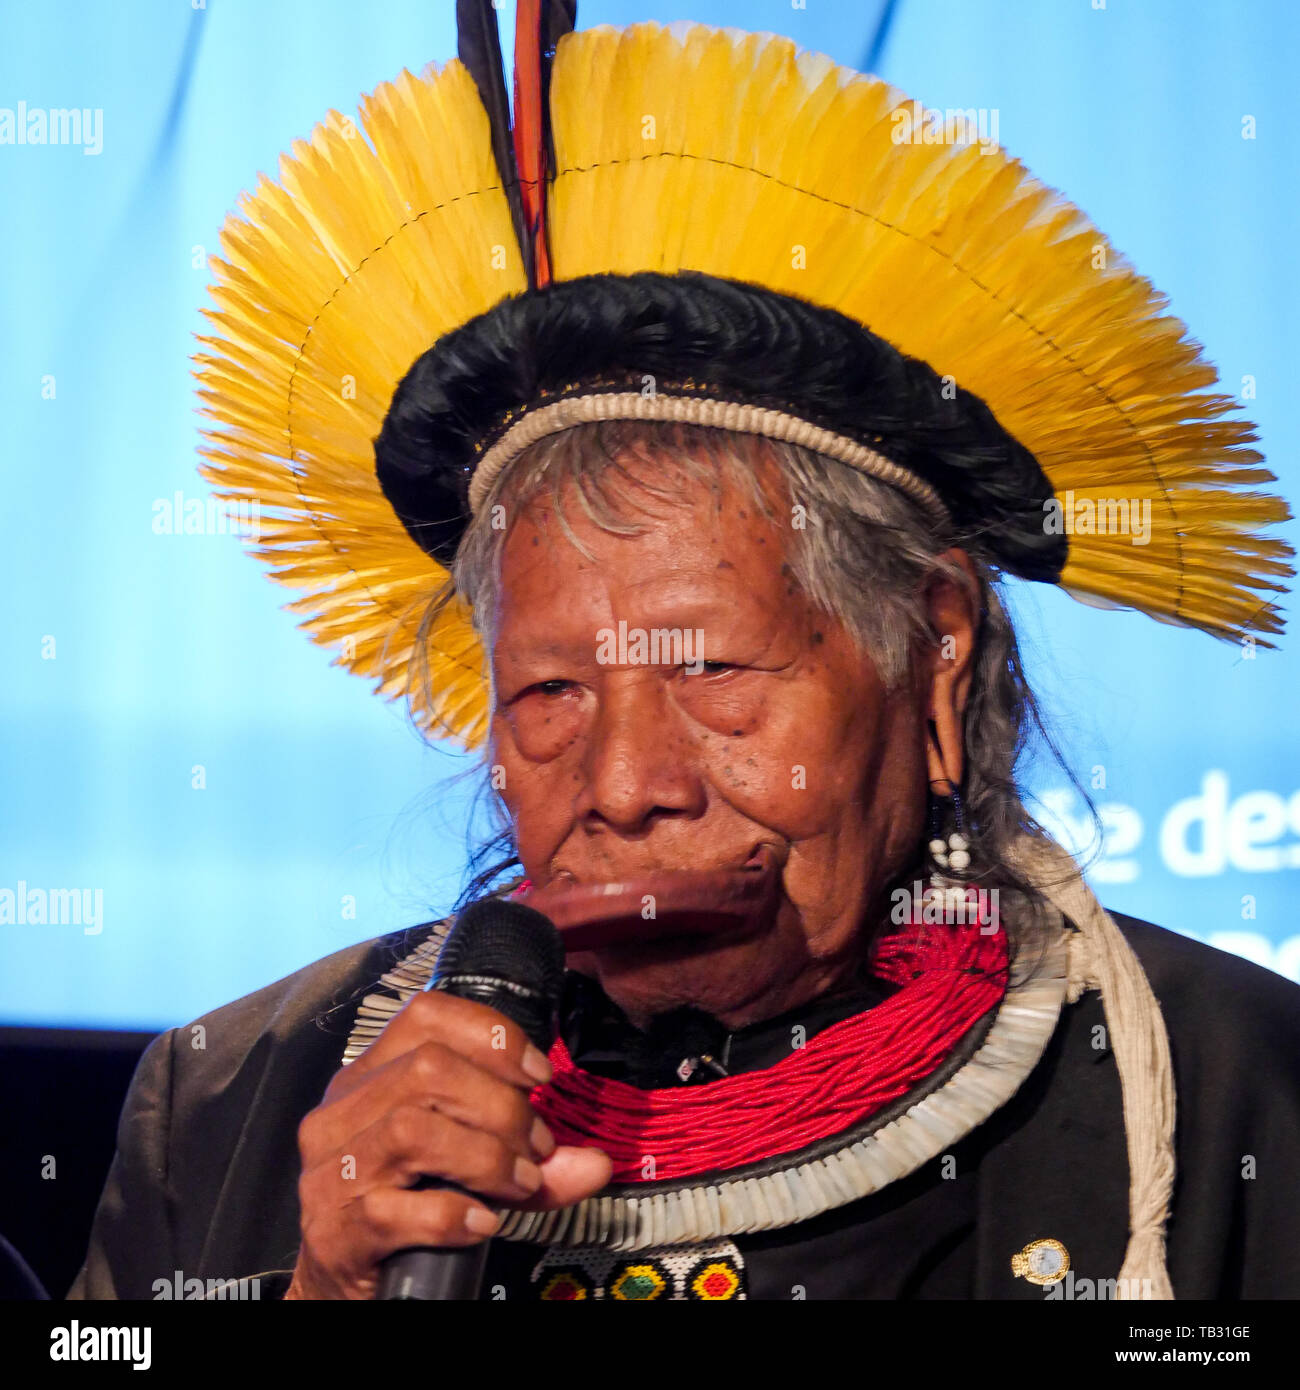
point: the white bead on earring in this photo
(952, 853)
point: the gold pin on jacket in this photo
(1041, 1262)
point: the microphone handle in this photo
(437, 1273)
(480, 973)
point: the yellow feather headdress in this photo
(691, 148)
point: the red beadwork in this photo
(949, 976)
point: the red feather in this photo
(530, 132)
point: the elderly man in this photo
(839, 1020)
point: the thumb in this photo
(569, 1175)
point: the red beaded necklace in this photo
(949, 976)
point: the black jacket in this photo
(205, 1178)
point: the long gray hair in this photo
(860, 550)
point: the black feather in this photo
(478, 45)
(558, 19)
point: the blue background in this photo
(323, 819)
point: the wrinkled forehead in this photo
(651, 525)
(669, 541)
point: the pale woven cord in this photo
(1141, 1047)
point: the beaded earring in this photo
(949, 848)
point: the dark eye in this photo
(714, 668)
(555, 687)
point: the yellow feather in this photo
(789, 173)
(738, 155)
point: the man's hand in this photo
(442, 1092)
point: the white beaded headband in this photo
(694, 410)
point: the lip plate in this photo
(688, 902)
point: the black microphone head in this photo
(509, 957)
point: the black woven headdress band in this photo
(691, 333)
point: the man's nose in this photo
(640, 759)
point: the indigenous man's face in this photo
(616, 769)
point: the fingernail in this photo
(541, 1138)
(536, 1065)
(528, 1176)
(481, 1222)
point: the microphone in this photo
(509, 957)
